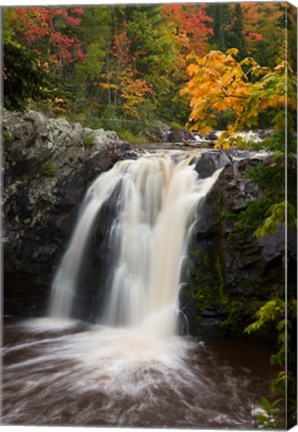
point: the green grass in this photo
(127, 135)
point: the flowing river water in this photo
(130, 367)
(80, 375)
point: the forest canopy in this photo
(123, 67)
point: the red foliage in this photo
(41, 24)
(191, 23)
(72, 21)
(251, 16)
(256, 36)
(78, 11)
(121, 46)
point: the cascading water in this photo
(130, 368)
(157, 200)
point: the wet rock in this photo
(48, 165)
(180, 135)
(214, 311)
(209, 162)
(223, 267)
(211, 136)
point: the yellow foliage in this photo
(218, 83)
(107, 86)
(191, 69)
(232, 51)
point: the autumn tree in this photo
(219, 83)
(20, 63)
(252, 16)
(39, 51)
(264, 34)
(191, 25)
(125, 84)
(137, 65)
(46, 30)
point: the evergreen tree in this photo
(220, 13)
(234, 36)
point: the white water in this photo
(73, 374)
(148, 238)
(132, 370)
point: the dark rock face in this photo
(48, 165)
(224, 271)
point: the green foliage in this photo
(234, 34)
(221, 15)
(267, 419)
(270, 176)
(23, 79)
(249, 219)
(274, 311)
(270, 311)
(49, 169)
(276, 214)
(240, 313)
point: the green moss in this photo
(210, 291)
(176, 126)
(89, 141)
(48, 169)
(208, 278)
(220, 274)
(7, 135)
(130, 137)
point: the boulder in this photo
(180, 136)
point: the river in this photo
(80, 375)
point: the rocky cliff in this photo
(48, 165)
(228, 276)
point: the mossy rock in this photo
(89, 141)
(49, 169)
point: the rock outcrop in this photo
(48, 165)
(229, 277)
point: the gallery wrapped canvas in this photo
(149, 246)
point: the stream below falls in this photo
(68, 373)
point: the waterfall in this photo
(157, 201)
